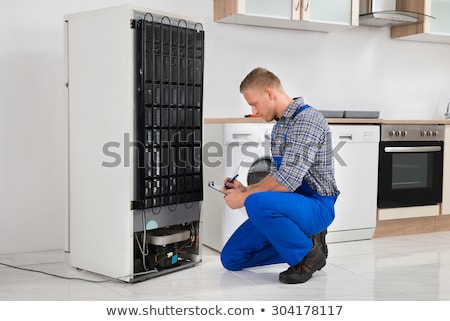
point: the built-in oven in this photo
(410, 165)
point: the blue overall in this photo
(278, 226)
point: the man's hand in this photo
(235, 197)
(234, 193)
(234, 185)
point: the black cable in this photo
(55, 275)
(144, 241)
(75, 278)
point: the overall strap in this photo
(298, 111)
(279, 158)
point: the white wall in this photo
(359, 69)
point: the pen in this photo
(231, 180)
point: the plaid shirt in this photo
(304, 141)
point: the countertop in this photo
(335, 121)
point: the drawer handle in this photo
(241, 136)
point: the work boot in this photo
(302, 272)
(320, 239)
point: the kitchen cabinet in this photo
(328, 11)
(429, 30)
(407, 212)
(312, 15)
(445, 206)
(281, 9)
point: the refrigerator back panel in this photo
(169, 74)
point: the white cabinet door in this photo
(312, 15)
(268, 8)
(440, 10)
(328, 11)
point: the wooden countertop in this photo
(418, 121)
(333, 121)
(260, 120)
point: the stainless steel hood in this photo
(381, 13)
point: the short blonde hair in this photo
(260, 78)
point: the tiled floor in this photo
(407, 268)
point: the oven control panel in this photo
(413, 132)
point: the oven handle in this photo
(417, 149)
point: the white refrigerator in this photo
(134, 101)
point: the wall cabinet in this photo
(281, 9)
(428, 30)
(312, 15)
(337, 12)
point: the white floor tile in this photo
(404, 268)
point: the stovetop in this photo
(350, 114)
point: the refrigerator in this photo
(134, 103)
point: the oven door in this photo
(410, 174)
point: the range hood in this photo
(381, 13)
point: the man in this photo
(296, 200)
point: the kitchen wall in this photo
(359, 69)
